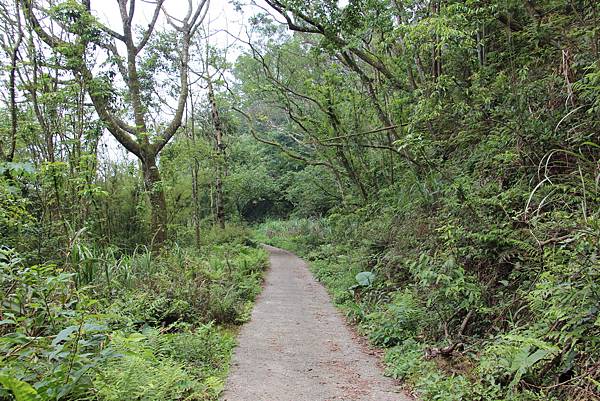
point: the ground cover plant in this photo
(144, 326)
(451, 332)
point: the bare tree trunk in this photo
(196, 202)
(12, 88)
(481, 51)
(352, 174)
(220, 148)
(195, 172)
(219, 198)
(346, 163)
(13, 101)
(156, 196)
(436, 53)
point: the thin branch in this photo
(285, 150)
(151, 26)
(376, 130)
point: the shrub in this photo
(396, 321)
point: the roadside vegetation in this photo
(451, 200)
(108, 325)
(450, 332)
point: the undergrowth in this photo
(106, 326)
(464, 312)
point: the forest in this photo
(437, 162)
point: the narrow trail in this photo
(297, 347)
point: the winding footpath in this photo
(297, 347)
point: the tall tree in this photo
(10, 44)
(219, 149)
(83, 33)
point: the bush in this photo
(155, 366)
(143, 378)
(396, 321)
(521, 318)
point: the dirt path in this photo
(297, 346)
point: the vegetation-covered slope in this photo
(453, 152)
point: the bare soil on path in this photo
(297, 346)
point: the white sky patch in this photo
(342, 3)
(221, 19)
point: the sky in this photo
(221, 15)
(221, 18)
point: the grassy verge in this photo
(106, 326)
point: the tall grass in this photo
(94, 265)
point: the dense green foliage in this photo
(436, 160)
(88, 309)
(414, 314)
(113, 327)
(481, 223)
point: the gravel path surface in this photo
(297, 347)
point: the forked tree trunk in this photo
(134, 138)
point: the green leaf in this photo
(64, 334)
(90, 327)
(21, 390)
(537, 356)
(365, 279)
(523, 361)
(17, 168)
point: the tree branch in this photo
(315, 27)
(288, 152)
(151, 26)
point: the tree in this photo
(82, 34)
(10, 44)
